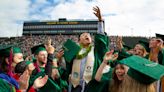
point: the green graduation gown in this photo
(50, 86)
(6, 87)
(161, 57)
(101, 46)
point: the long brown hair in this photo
(128, 84)
(115, 83)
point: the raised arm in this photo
(97, 13)
(119, 43)
(109, 56)
(50, 49)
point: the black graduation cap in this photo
(36, 49)
(160, 36)
(145, 44)
(5, 50)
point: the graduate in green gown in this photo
(157, 53)
(44, 65)
(156, 50)
(84, 62)
(6, 70)
(138, 75)
(140, 49)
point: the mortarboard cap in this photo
(5, 50)
(143, 70)
(16, 50)
(160, 36)
(36, 49)
(145, 44)
(70, 50)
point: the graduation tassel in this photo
(10, 63)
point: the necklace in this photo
(83, 52)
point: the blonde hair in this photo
(129, 84)
(156, 50)
(132, 85)
(144, 51)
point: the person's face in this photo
(120, 72)
(85, 39)
(153, 43)
(139, 50)
(30, 68)
(18, 57)
(42, 57)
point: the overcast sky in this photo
(122, 17)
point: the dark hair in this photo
(20, 67)
(3, 65)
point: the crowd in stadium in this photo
(26, 42)
(84, 63)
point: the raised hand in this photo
(110, 56)
(119, 42)
(97, 13)
(40, 82)
(59, 54)
(24, 80)
(50, 49)
(119, 39)
(49, 41)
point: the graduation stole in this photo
(10, 63)
(10, 80)
(88, 69)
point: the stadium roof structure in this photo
(61, 26)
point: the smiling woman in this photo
(118, 77)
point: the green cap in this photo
(28, 62)
(36, 49)
(5, 50)
(143, 70)
(16, 50)
(145, 44)
(71, 49)
(160, 36)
